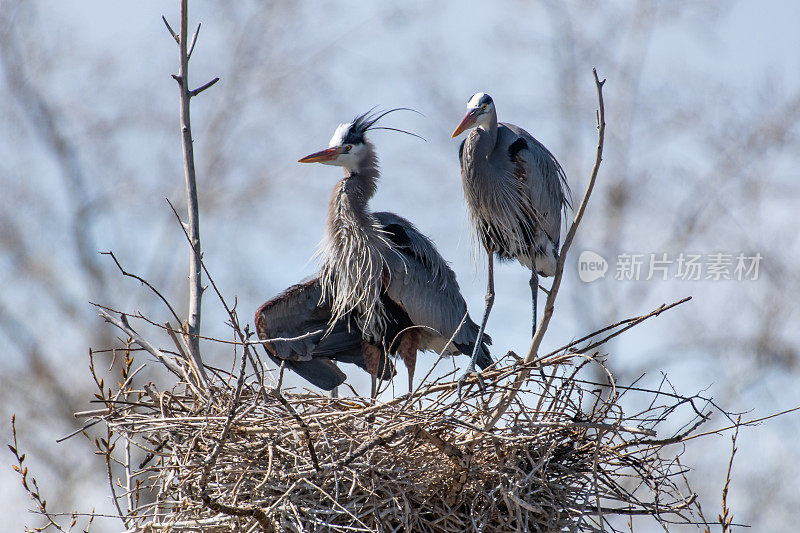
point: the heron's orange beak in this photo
(467, 122)
(329, 154)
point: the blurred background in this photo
(701, 156)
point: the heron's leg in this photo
(486, 311)
(280, 376)
(334, 392)
(374, 359)
(534, 295)
(409, 344)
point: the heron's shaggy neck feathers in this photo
(500, 205)
(353, 253)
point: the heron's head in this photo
(480, 109)
(348, 147)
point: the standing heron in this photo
(381, 269)
(303, 336)
(515, 191)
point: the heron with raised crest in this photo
(378, 268)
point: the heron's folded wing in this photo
(545, 180)
(301, 336)
(426, 287)
(293, 317)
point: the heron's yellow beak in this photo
(328, 154)
(468, 121)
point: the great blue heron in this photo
(305, 339)
(515, 191)
(380, 268)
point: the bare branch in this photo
(175, 340)
(629, 324)
(202, 88)
(33, 491)
(145, 282)
(105, 447)
(194, 41)
(170, 30)
(234, 321)
(195, 279)
(138, 339)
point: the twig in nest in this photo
(306, 431)
(122, 324)
(211, 460)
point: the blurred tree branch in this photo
(46, 123)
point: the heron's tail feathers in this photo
(320, 371)
(484, 358)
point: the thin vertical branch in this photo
(541, 328)
(193, 225)
(195, 280)
(726, 517)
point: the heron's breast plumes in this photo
(505, 219)
(354, 267)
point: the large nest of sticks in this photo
(248, 456)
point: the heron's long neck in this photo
(353, 267)
(490, 129)
(479, 145)
(348, 208)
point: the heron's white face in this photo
(350, 155)
(480, 110)
(482, 106)
(339, 153)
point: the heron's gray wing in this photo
(425, 286)
(541, 173)
(295, 315)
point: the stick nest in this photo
(248, 457)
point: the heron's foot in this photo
(465, 375)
